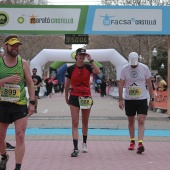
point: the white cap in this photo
(133, 58)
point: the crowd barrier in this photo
(113, 91)
(160, 99)
(41, 93)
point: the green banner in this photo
(39, 19)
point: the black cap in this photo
(80, 51)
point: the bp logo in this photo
(20, 20)
(73, 55)
(4, 18)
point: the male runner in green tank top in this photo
(8, 145)
(14, 73)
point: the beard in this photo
(12, 53)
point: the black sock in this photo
(75, 142)
(84, 139)
(18, 167)
(35, 107)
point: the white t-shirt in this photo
(135, 81)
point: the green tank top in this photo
(6, 71)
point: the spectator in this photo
(160, 83)
(37, 83)
(61, 87)
(103, 88)
(95, 88)
(49, 85)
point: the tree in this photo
(24, 2)
(137, 2)
(145, 44)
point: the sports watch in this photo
(32, 102)
(152, 99)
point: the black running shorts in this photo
(136, 106)
(73, 100)
(10, 112)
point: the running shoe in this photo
(132, 145)
(9, 147)
(3, 162)
(84, 148)
(75, 153)
(140, 149)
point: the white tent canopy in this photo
(66, 56)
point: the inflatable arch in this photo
(68, 56)
(61, 68)
(57, 64)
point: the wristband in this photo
(91, 61)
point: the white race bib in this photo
(10, 92)
(135, 91)
(85, 102)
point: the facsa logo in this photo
(106, 20)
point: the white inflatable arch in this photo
(66, 56)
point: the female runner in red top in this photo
(78, 95)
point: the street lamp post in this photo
(154, 52)
(140, 59)
(140, 56)
(162, 68)
(152, 62)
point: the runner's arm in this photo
(121, 84)
(66, 87)
(28, 79)
(150, 89)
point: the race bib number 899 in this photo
(10, 92)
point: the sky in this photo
(74, 2)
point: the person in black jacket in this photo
(37, 83)
(103, 88)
